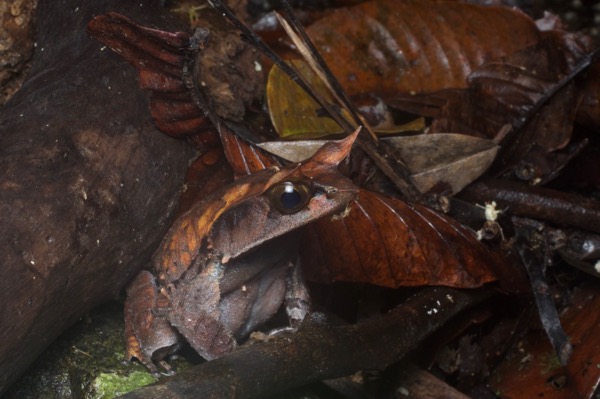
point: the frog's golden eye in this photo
(289, 197)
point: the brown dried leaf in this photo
(243, 157)
(410, 46)
(419, 55)
(512, 86)
(384, 241)
(225, 74)
(503, 90)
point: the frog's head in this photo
(258, 208)
(274, 202)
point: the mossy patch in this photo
(109, 385)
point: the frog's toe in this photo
(275, 332)
(167, 368)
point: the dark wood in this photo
(541, 203)
(87, 184)
(317, 351)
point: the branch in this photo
(532, 247)
(556, 207)
(317, 351)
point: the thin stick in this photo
(298, 35)
(532, 247)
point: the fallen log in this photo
(88, 185)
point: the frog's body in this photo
(221, 268)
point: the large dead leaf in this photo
(420, 56)
(531, 90)
(384, 241)
(415, 46)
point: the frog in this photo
(226, 265)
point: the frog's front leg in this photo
(149, 336)
(297, 297)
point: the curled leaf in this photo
(533, 91)
(158, 56)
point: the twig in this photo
(556, 207)
(317, 351)
(532, 247)
(296, 32)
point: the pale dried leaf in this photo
(450, 160)
(447, 160)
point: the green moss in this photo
(87, 362)
(109, 385)
(550, 362)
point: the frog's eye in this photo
(289, 197)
